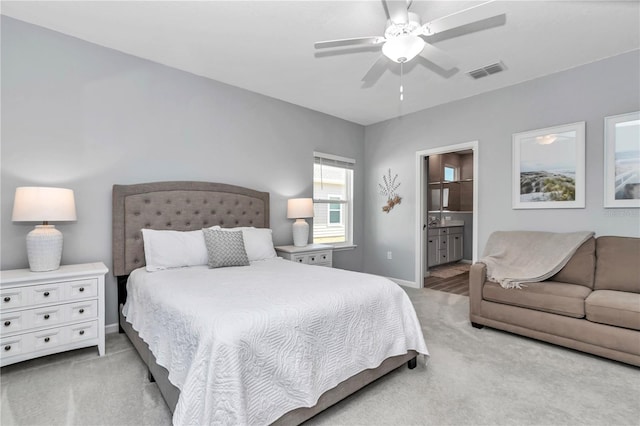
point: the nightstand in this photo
(43, 313)
(312, 254)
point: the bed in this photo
(299, 361)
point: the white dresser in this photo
(312, 254)
(42, 313)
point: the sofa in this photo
(592, 304)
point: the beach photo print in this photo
(548, 168)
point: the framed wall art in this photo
(622, 160)
(548, 168)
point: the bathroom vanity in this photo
(445, 243)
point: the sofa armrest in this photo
(477, 277)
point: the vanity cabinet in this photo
(444, 245)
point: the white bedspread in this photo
(247, 344)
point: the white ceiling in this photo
(267, 46)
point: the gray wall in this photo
(587, 93)
(84, 117)
(81, 116)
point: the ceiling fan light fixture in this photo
(403, 49)
(547, 139)
(411, 27)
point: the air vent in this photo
(488, 70)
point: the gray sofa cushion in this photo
(581, 267)
(618, 264)
(547, 296)
(612, 307)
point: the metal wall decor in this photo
(388, 188)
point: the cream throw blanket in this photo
(516, 257)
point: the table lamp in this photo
(300, 209)
(38, 204)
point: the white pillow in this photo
(173, 249)
(258, 242)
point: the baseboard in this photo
(470, 262)
(404, 283)
(111, 328)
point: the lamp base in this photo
(44, 248)
(300, 233)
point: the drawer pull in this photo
(7, 323)
(7, 299)
(81, 289)
(81, 332)
(7, 348)
(46, 294)
(46, 340)
(46, 316)
(81, 311)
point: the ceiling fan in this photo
(405, 37)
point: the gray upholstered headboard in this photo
(180, 206)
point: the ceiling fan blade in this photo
(348, 42)
(376, 70)
(398, 11)
(485, 24)
(468, 16)
(438, 57)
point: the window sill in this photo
(344, 247)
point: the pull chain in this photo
(401, 87)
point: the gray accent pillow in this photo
(225, 248)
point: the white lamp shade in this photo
(39, 204)
(300, 208)
(403, 48)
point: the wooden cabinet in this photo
(312, 254)
(444, 245)
(42, 313)
(454, 245)
(433, 249)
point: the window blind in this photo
(333, 160)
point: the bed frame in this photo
(187, 206)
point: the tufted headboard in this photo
(179, 206)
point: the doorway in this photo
(438, 204)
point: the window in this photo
(449, 173)
(332, 199)
(335, 211)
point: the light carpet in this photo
(474, 377)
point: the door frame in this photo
(421, 203)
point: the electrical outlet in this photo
(389, 255)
